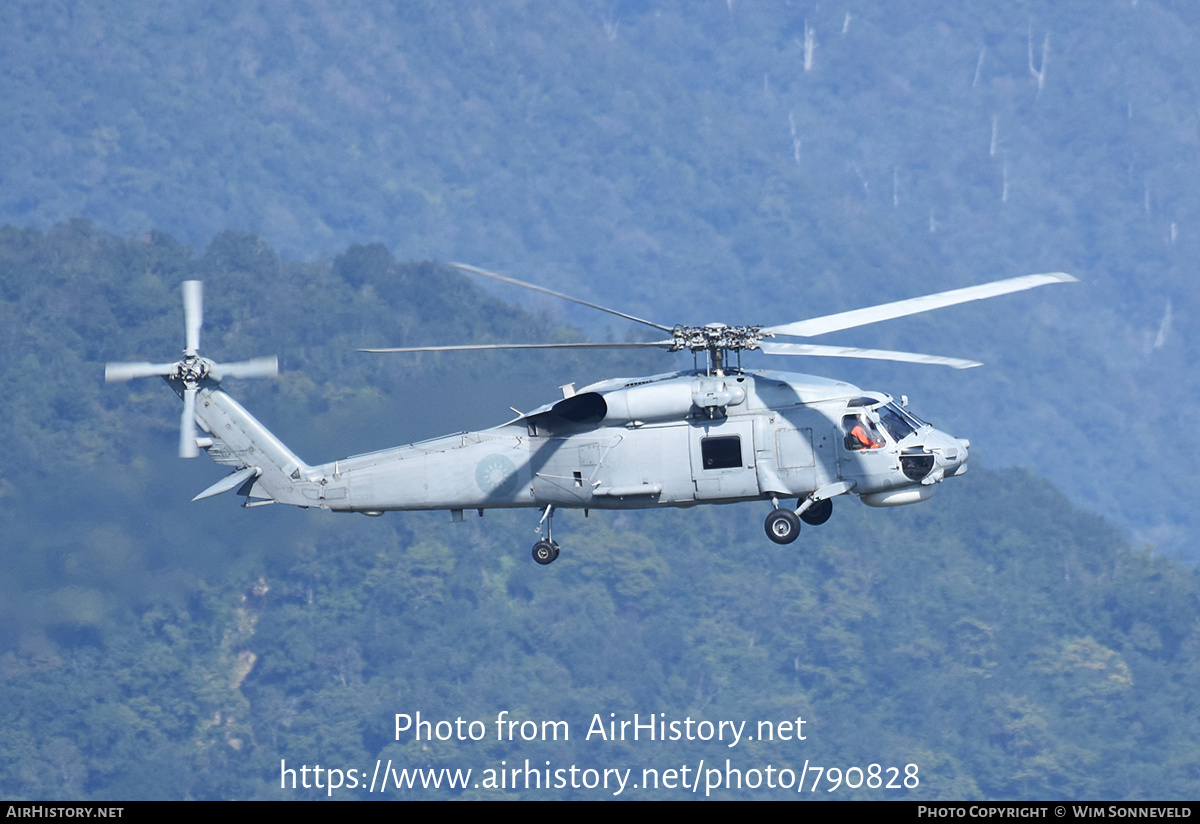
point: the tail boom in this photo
(267, 470)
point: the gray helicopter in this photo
(716, 434)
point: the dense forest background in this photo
(685, 162)
(1003, 640)
(691, 162)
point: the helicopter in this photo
(715, 434)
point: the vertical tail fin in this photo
(268, 470)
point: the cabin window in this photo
(721, 453)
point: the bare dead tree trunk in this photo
(795, 137)
(1039, 74)
(1164, 326)
(861, 179)
(610, 28)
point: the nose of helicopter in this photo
(963, 455)
(951, 454)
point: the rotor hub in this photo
(716, 337)
(192, 370)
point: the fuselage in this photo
(677, 440)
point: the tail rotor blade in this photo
(116, 372)
(253, 368)
(187, 426)
(193, 313)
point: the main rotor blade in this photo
(114, 372)
(464, 267)
(661, 344)
(253, 368)
(193, 314)
(813, 350)
(912, 306)
(187, 426)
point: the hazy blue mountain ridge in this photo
(688, 163)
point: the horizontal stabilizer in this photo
(229, 482)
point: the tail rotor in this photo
(189, 375)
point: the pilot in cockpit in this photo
(862, 432)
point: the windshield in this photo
(895, 422)
(912, 419)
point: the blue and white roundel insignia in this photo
(496, 475)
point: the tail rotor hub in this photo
(192, 371)
(189, 374)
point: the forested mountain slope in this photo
(1002, 640)
(691, 162)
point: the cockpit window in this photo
(894, 422)
(861, 433)
(862, 400)
(871, 417)
(912, 419)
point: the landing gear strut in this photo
(546, 549)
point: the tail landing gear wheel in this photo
(818, 513)
(544, 552)
(783, 526)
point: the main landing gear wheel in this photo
(783, 526)
(544, 552)
(818, 513)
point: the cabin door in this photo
(723, 459)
